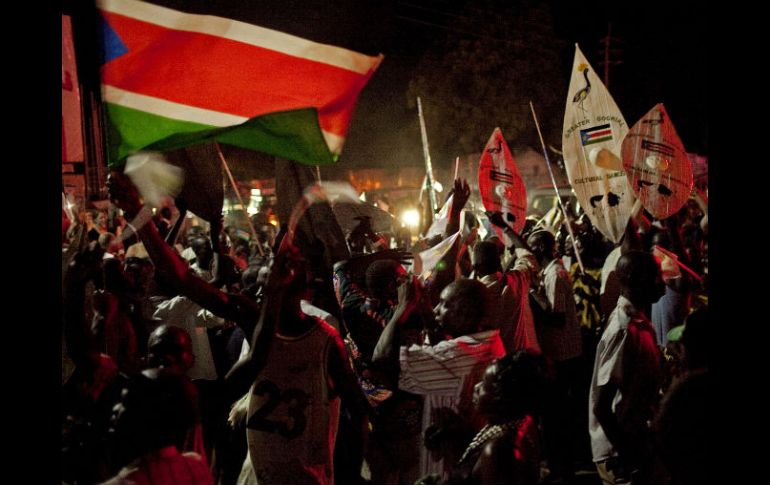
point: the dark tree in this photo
(495, 58)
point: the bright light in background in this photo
(411, 218)
(254, 202)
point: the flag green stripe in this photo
(597, 140)
(290, 134)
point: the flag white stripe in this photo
(243, 32)
(169, 109)
(192, 114)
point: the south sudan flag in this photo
(269, 76)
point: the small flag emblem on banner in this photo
(658, 147)
(596, 134)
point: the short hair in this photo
(159, 410)
(546, 237)
(472, 299)
(635, 269)
(486, 258)
(379, 274)
(518, 384)
(169, 345)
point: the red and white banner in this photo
(500, 183)
(656, 164)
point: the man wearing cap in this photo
(626, 376)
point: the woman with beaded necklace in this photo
(506, 450)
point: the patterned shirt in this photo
(364, 317)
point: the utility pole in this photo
(608, 51)
(428, 166)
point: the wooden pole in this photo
(556, 189)
(238, 194)
(428, 166)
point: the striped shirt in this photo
(446, 373)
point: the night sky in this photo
(662, 49)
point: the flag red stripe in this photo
(227, 76)
(597, 134)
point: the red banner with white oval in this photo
(656, 164)
(500, 183)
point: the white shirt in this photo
(612, 364)
(445, 373)
(565, 342)
(183, 312)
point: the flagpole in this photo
(457, 167)
(238, 194)
(428, 165)
(556, 189)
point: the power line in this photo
(449, 29)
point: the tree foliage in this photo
(495, 59)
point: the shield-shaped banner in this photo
(592, 135)
(500, 183)
(658, 169)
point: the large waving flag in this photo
(206, 71)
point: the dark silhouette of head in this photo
(695, 339)
(113, 277)
(511, 388)
(662, 239)
(382, 279)
(153, 413)
(639, 278)
(486, 258)
(138, 268)
(170, 348)
(203, 252)
(461, 307)
(543, 245)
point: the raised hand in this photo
(462, 192)
(85, 265)
(288, 264)
(496, 218)
(409, 293)
(123, 193)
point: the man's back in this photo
(510, 311)
(628, 357)
(293, 412)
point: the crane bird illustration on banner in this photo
(592, 135)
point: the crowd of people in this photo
(200, 358)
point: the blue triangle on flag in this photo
(113, 44)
